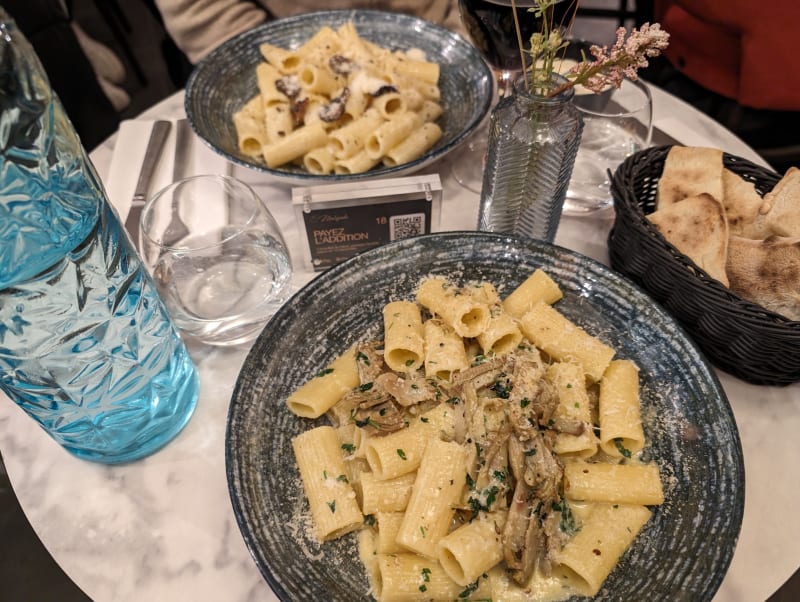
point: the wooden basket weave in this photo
(738, 336)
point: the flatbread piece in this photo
(767, 272)
(697, 227)
(782, 205)
(689, 171)
(742, 205)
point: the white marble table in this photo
(163, 528)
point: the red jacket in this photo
(744, 50)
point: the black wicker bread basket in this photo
(738, 336)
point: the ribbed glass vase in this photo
(533, 141)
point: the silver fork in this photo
(176, 229)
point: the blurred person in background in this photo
(199, 26)
(89, 88)
(736, 62)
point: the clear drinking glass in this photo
(617, 123)
(217, 256)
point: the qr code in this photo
(406, 226)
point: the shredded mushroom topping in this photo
(333, 111)
(289, 85)
(341, 65)
(503, 409)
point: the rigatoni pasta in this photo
(594, 551)
(444, 350)
(326, 85)
(319, 394)
(619, 416)
(536, 287)
(386, 495)
(563, 340)
(475, 456)
(613, 483)
(472, 549)
(463, 313)
(330, 496)
(405, 337)
(436, 490)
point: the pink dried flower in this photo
(623, 60)
(627, 55)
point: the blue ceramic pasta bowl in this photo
(684, 550)
(226, 79)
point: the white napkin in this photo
(128, 155)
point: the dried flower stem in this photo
(519, 42)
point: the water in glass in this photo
(230, 272)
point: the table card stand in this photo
(338, 221)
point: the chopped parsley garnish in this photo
(475, 503)
(469, 589)
(567, 522)
(342, 478)
(324, 371)
(524, 402)
(424, 419)
(478, 360)
(502, 388)
(332, 506)
(362, 357)
(367, 422)
(349, 448)
(454, 401)
(491, 496)
(369, 520)
(422, 531)
(426, 577)
(470, 483)
(365, 387)
(499, 475)
(621, 448)
(530, 452)
(402, 454)
(410, 362)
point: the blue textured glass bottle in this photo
(87, 349)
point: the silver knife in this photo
(183, 149)
(155, 144)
